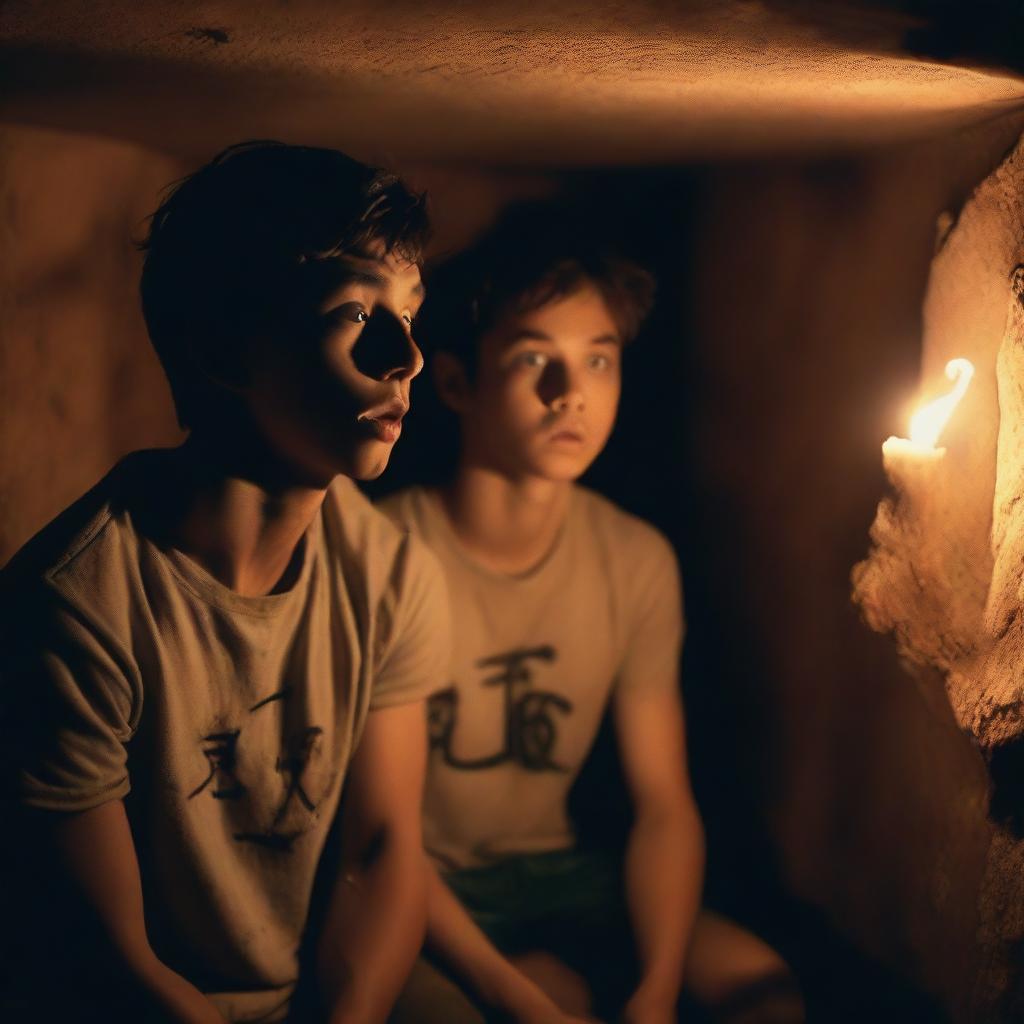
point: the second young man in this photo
(562, 604)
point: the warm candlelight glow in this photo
(927, 423)
(929, 591)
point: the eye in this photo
(351, 312)
(599, 362)
(534, 360)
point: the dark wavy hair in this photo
(225, 248)
(536, 253)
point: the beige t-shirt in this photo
(535, 658)
(225, 722)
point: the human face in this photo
(547, 389)
(331, 399)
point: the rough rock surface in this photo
(499, 82)
(946, 573)
(79, 382)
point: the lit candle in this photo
(927, 423)
(914, 580)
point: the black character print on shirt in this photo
(220, 749)
(296, 812)
(294, 764)
(289, 823)
(531, 729)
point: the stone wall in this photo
(79, 383)
(945, 574)
(816, 304)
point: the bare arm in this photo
(665, 854)
(96, 849)
(456, 938)
(375, 923)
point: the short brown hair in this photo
(536, 253)
(223, 248)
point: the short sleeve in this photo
(417, 657)
(68, 709)
(654, 612)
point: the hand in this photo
(178, 1000)
(645, 1008)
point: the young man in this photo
(202, 649)
(561, 602)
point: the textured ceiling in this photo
(510, 83)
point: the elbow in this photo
(369, 849)
(676, 817)
(387, 847)
(693, 828)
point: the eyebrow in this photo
(358, 275)
(528, 334)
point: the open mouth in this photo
(383, 429)
(384, 423)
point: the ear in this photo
(451, 381)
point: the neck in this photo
(238, 512)
(506, 524)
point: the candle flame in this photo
(928, 422)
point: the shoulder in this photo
(416, 512)
(406, 508)
(645, 592)
(352, 519)
(628, 538)
(641, 563)
(378, 540)
(83, 550)
(71, 587)
(406, 593)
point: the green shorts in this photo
(569, 903)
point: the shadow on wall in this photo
(875, 798)
(79, 383)
(984, 34)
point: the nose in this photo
(409, 366)
(386, 350)
(559, 389)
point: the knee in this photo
(561, 983)
(431, 997)
(739, 978)
(769, 999)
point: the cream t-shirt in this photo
(226, 723)
(535, 658)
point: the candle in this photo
(913, 464)
(926, 425)
(915, 579)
